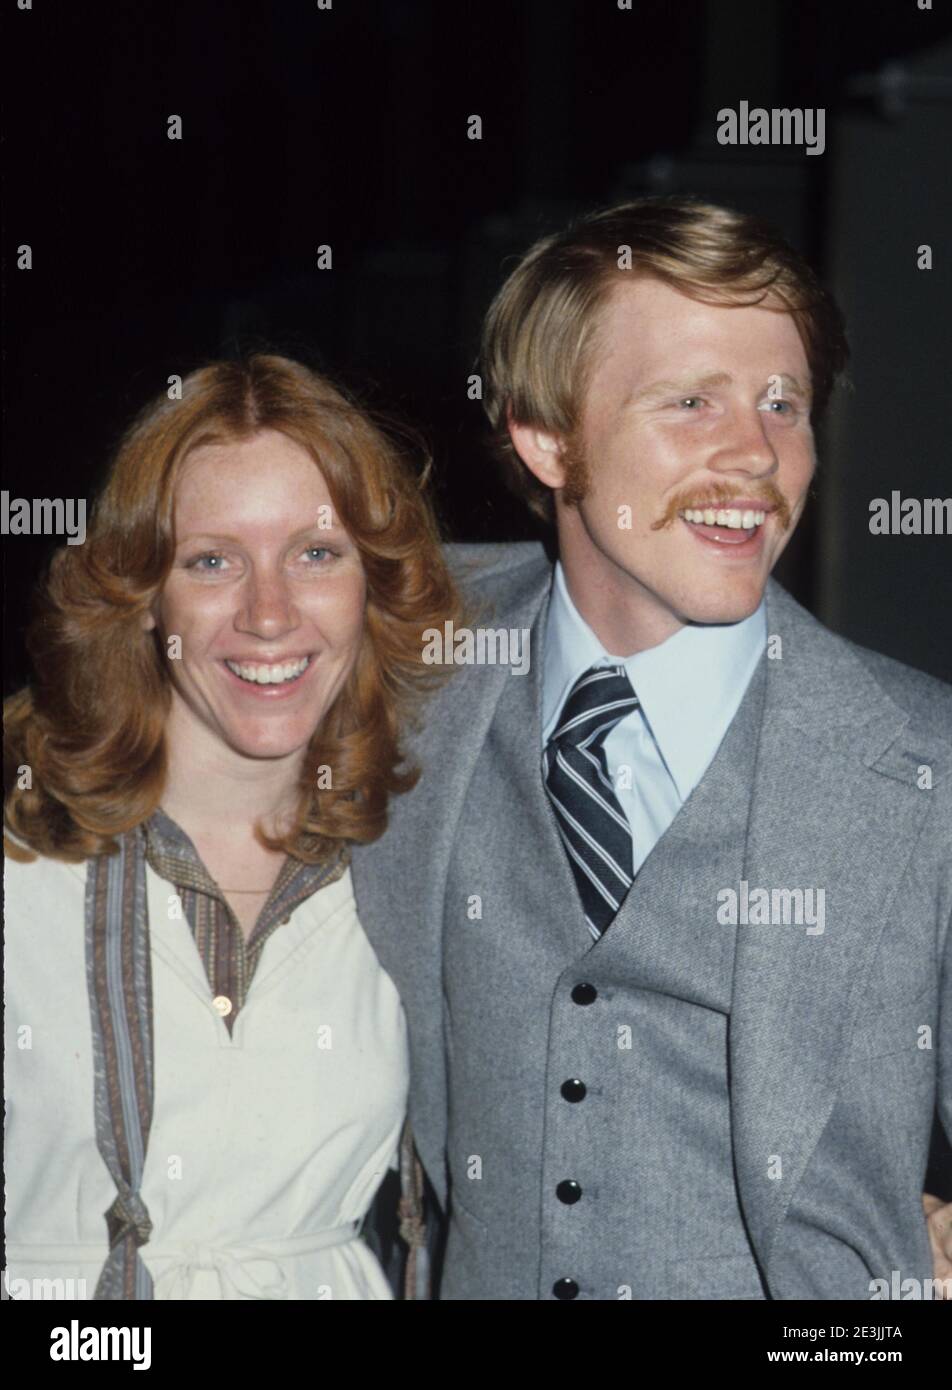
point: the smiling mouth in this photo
(731, 527)
(734, 518)
(267, 673)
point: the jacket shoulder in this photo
(479, 564)
(925, 698)
(838, 661)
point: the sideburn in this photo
(576, 472)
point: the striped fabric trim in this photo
(412, 1213)
(119, 980)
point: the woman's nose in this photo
(268, 609)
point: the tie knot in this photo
(599, 698)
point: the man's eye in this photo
(786, 407)
(691, 400)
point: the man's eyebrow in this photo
(687, 386)
(682, 387)
(793, 383)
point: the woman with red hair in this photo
(206, 1063)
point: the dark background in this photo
(304, 126)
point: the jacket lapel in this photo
(400, 880)
(834, 806)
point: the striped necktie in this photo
(593, 826)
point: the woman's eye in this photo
(313, 550)
(212, 563)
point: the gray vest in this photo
(589, 1123)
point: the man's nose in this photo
(746, 446)
(268, 609)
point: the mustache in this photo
(720, 495)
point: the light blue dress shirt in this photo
(689, 688)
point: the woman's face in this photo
(266, 595)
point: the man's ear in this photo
(540, 451)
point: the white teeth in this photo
(270, 675)
(732, 517)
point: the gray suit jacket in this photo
(837, 1056)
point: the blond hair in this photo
(537, 345)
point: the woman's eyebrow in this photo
(317, 528)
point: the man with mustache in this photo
(625, 1086)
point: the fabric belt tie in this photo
(234, 1265)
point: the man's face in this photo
(268, 603)
(691, 408)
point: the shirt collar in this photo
(689, 687)
(172, 854)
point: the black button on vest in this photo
(565, 1289)
(568, 1192)
(584, 994)
(573, 1090)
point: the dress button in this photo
(221, 1004)
(568, 1192)
(584, 994)
(565, 1289)
(573, 1090)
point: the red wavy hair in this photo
(91, 725)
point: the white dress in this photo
(267, 1146)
